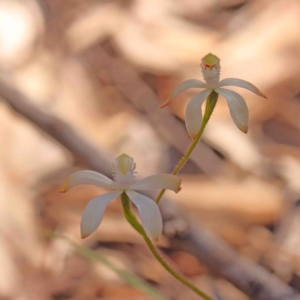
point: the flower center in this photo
(211, 69)
(210, 66)
(124, 169)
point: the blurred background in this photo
(103, 68)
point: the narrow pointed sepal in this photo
(149, 214)
(166, 103)
(193, 114)
(87, 177)
(161, 181)
(93, 213)
(238, 108)
(245, 130)
(188, 84)
(65, 186)
(241, 83)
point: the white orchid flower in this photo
(211, 73)
(124, 167)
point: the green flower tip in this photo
(210, 59)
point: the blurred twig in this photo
(252, 279)
(61, 132)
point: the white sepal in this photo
(238, 108)
(188, 84)
(241, 83)
(93, 212)
(88, 177)
(193, 114)
(161, 181)
(149, 214)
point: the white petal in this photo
(193, 113)
(238, 108)
(188, 84)
(93, 212)
(241, 83)
(162, 181)
(149, 214)
(88, 177)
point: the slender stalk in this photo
(129, 215)
(139, 228)
(210, 105)
(172, 271)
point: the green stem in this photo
(129, 215)
(210, 105)
(139, 228)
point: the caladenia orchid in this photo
(124, 182)
(125, 186)
(210, 66)
(212, 86)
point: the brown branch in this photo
(61, 132)
(252, 279)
